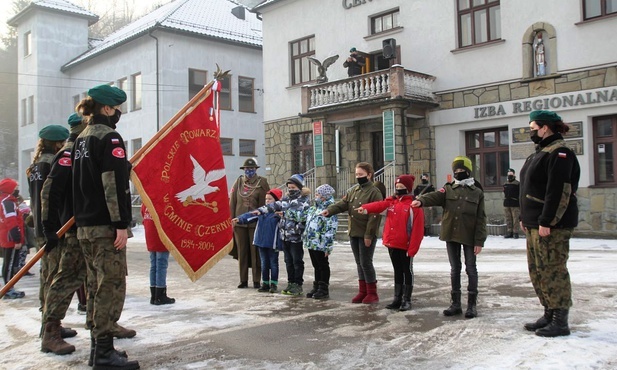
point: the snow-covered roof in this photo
(55, 5)
(265, 4)
(212, 18)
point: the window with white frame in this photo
(225, 93)
(385, 22)
(136, 90)
(479, 22)
(246, 98)
(24, 112)
(31, 109)
(302, 70)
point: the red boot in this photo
(361, 292)
(371, 296)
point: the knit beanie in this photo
(296, 179)
(406, 180)
(276, 193)
(325, 191)
(462, 162)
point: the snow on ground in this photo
(213, 325)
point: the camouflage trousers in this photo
(106, 283)
(547, 259)
(70, 276)
(512, 216)
(49, 267)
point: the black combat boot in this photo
(162, 298)
(107, 358)
(542, 321)
(516, 235)
(152, 294)
(455, 307)
(323, 291)
(396, 302)
(314, 290)
(558, 326)
(471, 312)
(406, 305)
(508, 235)
(93, 346)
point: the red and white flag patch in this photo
(562, 155)
(115, 141)
(118, 153)
(442, 190)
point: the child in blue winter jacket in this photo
(293, 208)
(267, 240)
(318, 238)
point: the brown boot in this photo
(122, 332)
(52, 342)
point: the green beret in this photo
(108, 95)
(544, 115)
(74, 120)
(54, 133)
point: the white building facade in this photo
(464, 77)
(161, 61)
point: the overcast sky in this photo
(101, 7)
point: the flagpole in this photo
(60, 233)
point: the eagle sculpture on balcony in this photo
(323, 67)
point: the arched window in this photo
(539, 51)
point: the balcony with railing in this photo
(395, 82)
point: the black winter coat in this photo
(511, 190)
(549, 181)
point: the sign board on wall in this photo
(521, 134)
(388, 136)
(318, 143)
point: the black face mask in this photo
(401, 192)
(15, 193)
(510, 177)
(424, 181)
(362, 180)
(461, 176)
(533, 134)
(116, 117)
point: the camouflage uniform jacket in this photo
(320, 231)
(549, 180)
(57, 193)
(293, 222)
(360, 225)
(101, 193)
(38, 174)
(464, 217)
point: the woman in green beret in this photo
(549, 214)
(102, 206)
(51, 140)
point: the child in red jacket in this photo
(402, 234)
(11, 233)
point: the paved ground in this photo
(213, 325)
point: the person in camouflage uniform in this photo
(102, 208)
(51, 140)
(549, 214)
(56, 210)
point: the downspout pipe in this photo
(158, 125)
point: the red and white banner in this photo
(180, 175)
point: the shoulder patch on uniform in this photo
(562, 155)
(115, 141)
(442, 190)
(66, 153)
(118, 152)
(65, 162)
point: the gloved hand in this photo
(52, 242)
